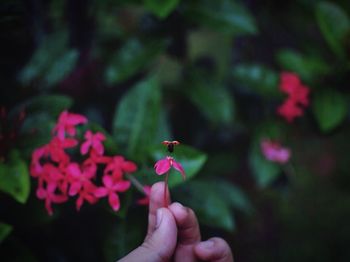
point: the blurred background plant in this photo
(207, 73)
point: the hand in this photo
(173, 234)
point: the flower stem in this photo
(136, 183)
(165, 190)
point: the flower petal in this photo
(121, 186)
(101, 192)
(113, 200)
(162, 166)
(85, 147)
(179, 168)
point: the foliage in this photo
(221, 77)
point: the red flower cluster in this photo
(60, 177)
(297, 96)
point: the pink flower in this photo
(78, 179)
(118, 165)
(86, 193)
(36, 168)
(93, 141)
(67, 122)
(145, 201)
(50, 196)
(110, 188)
(289, 110)
(274, 152)
(298, 96)
(163, 166)
(57, 146)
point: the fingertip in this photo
(215, 249)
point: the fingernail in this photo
(206, 244)
(159, 217)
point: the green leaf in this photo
(192, 161)
(61, 67)
(136, 121)
(234, 196)
(51, 104)
(131, 58)
(309, 68)
(51, 62)
(223, 15)
(264, 171)
(14, 179)
(259, 78)
(210, 206)
(330, 108)
(335, 26)
(211, 44)
(161, 8)
(213, 101)
(5, 230)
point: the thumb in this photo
(160, 245)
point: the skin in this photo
(173, 235)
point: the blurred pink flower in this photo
(93, 141)
(289, 110)
(110, 188)
(274, 152)
(118, 165)
(78, 178)
(66, 124)
(145, 200)
(50, 196)
(163, 166)
(298, 96)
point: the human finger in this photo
(156, 202)
(214, 250)
(188, 232)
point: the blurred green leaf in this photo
(50, 104)
(213, 100)
(330, 108)
(223, 15)
(136, 120)
(130, 58)
(334, 24)
(51, 62)
(234, 196)
(14, 179)
(264, 171)
(5, 230)
(309, 68)
(210, 206)
(259, 78)
(161, 8)
(210, 44)
(61, 67)
(191, 160)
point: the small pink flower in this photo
(78, 178)
(118, 165)
(289, 110)
(50, 196)
(66, 124)
(163, 166)
(93, 141)
(110, 188)
(298, 96)
(145, 200)
(273, 151)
